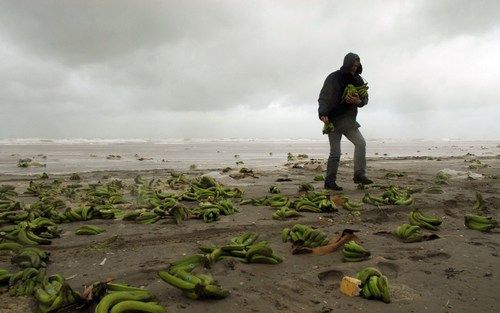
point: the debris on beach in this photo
(113, 157)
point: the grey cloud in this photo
(118, 60)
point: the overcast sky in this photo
(247, 69)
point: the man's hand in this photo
(324, 119)
(353, 100)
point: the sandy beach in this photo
(455, 273)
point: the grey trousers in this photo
(354, 136)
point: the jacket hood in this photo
(349, 61)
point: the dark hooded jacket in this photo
(341, 114)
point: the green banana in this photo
(112, 299)
(364, 274)
(175, 281)
(137, 306)
(383, 286)
(373, 286)
(121, 287)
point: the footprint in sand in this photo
(331, 276)
(389, 269)
(430, 257)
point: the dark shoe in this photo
(333, 186)
(362, 180)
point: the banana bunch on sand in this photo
(194, 286)
(393, 195)
(207, 187)
(89, 230)
(409, 233)
(374, 285)
(275, 201)
(244, 248)
(423, 220)
(479, 222)
(285, 212)
(316, 202)
(354, 252)
(26, 257)
(305, 236)
(122, 298)
(24, 234)
(52, 293)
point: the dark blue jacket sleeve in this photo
(329, 95)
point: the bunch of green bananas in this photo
(409, 233)
(4, 276)
(7, 191)
(106, 194)
(206, 187)
(306, 187)
(374, 285)
(425, 221)
(89, 230)
(23, 234)
(479, 222)
(180, 213)
(434, 189)
(27, 257)
(393, 195)
(53, 293)
(305, 236)
(353, 91)
(135, 300)
(349, 205)
(7, 205)
(276, 201)
(24, 282)
(317, 202)
(285, 212)
(274, 189)
(84, 213)
(319, 178)
(194, 286)
(479, 203)
(245, 249)
(353, 252)
(177, 181)
(142, 216)
(210, 215)
(327, 128)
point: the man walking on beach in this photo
(342, 114)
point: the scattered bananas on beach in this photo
(302, 235)
(128, 301)
(409, 233)
(425, 221)
(479, 222)
(194, 286)
(315, 201)
(319, 178)
(244, 248)
(306, 187)
(354, 252)
(285, 212)
(27, 257)
(434, 189)
(374, 285)
(393, 195)
(274, 189)
(53, 294)
(89, 230)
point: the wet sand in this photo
(456, 273)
